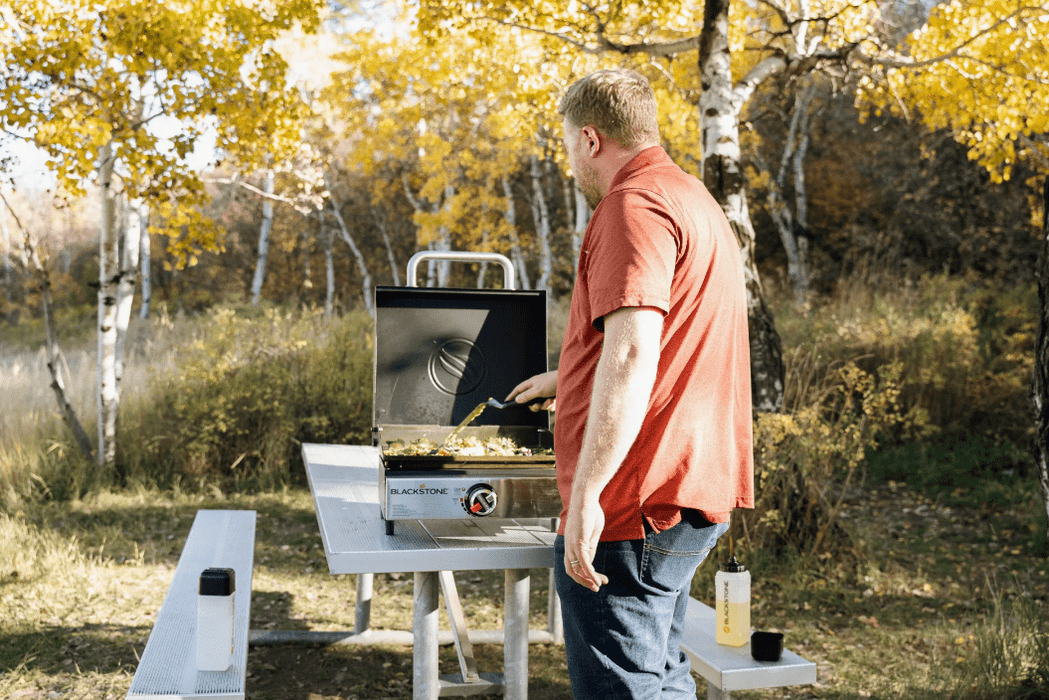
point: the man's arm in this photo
(623, 382)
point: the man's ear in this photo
(591, 140)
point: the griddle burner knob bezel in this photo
(480, 500)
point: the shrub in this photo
(965, 351)
(247, 394)
(808, 456)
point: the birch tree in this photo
(358, 256)
(541, 217)
(36, 264)
(88, 82)
(460, 125)
(262, 255)
(145, 259)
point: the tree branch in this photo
(294, 202)
(897, 61)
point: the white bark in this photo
(264, 240)
(7, 253)
(108, 282)
(444, 239)
(131, 239)
(328, 238)
(482, 269)
(366, 279)
(436, 271)
(1040, 379)
(788, 223)
(541, 216)
(307, 267)
(582, 219)
(516, 255)
(720, 105)
(144, 273)
(380, 221)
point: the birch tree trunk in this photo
(144, 273)
(1040, 384)
(577, 216)
(384, 229)
(362, 267)
(793, 227)
(7, 253)
(720, 106)
(436, 271)
(264, 240)
(541, 216)
(55, 361)
(108, 295)
(444, 240)
(516, 255)
(307, 266)
(482, 268)
(582, 220)
(129, 260)
(328, 239)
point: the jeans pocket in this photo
(670, 558)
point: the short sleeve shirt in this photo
(658, 239)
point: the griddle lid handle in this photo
(461, 256)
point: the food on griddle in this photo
(469, 446)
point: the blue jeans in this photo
(622, 643)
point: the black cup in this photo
(766, 646)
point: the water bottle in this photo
(215, 619)
(732, 607)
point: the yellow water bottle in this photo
(732, 607)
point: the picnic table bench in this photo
(728, 668)
(168, 668)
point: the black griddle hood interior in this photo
(440, 352)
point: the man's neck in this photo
(616, 158)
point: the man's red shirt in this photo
(658, 239)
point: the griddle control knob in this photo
(480, 500)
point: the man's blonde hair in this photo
(619, 102)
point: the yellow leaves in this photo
(980, 69)
(111, 67)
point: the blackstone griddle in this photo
(439, 353)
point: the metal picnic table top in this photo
(344, 483)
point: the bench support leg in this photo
(714, 693)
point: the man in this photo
(653, 428)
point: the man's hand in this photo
(541, 385)
(583, 526)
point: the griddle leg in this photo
(389, 527)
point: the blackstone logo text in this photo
(419, 492)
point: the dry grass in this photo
(31, 428)
(82, 583)
(940, 599)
